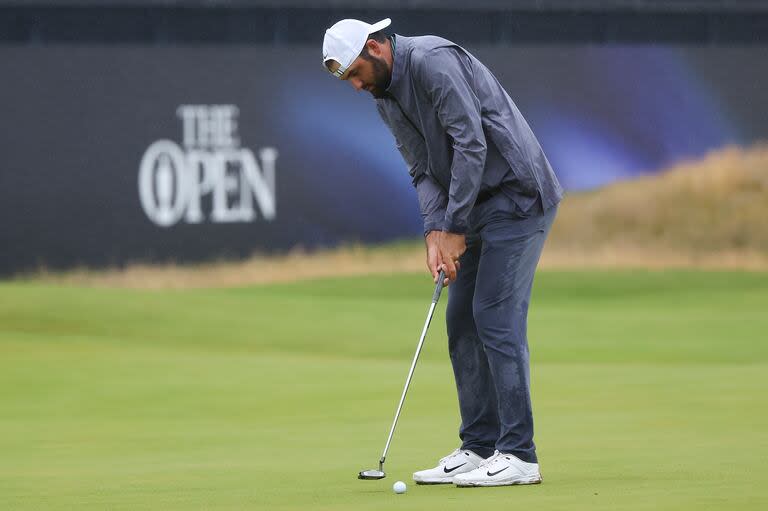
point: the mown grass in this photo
(649, 391)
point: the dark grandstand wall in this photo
(113, 154)
(101, 162)
(276, 22)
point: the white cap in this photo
(345, 40)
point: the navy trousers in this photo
(487, 330)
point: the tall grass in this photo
(716, 205)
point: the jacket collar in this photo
(399, 63)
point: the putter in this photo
(380, 474)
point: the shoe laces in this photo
(489, 461)
(444, 460)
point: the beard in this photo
(381, 78)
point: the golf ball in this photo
(399, 487)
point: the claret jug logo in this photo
(174, 179)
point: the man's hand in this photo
(434, 262)
(450, 247)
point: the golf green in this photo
(650, 391)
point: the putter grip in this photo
(438, 287)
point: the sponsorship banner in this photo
(119, 154)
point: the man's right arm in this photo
(432, 202)
(433, 199)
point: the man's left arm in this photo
(446, 75)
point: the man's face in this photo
(370, 70)
(369, 73)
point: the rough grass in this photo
(294, 266)
(713, 206)
(708, 214)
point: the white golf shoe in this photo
(458, 462)
(500, 470)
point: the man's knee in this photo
(500, 322)
(458, 313)
(459, 324)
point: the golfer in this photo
(488, 197)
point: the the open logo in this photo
(210, 168)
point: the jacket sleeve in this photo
(432, 202)
(446, 75)
(410, 143)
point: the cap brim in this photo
(379, 25)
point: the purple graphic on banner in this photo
(629, 111)
(601, 114)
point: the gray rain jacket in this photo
(461, 135)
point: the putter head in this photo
(371, 474)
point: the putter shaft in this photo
(435, 298)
